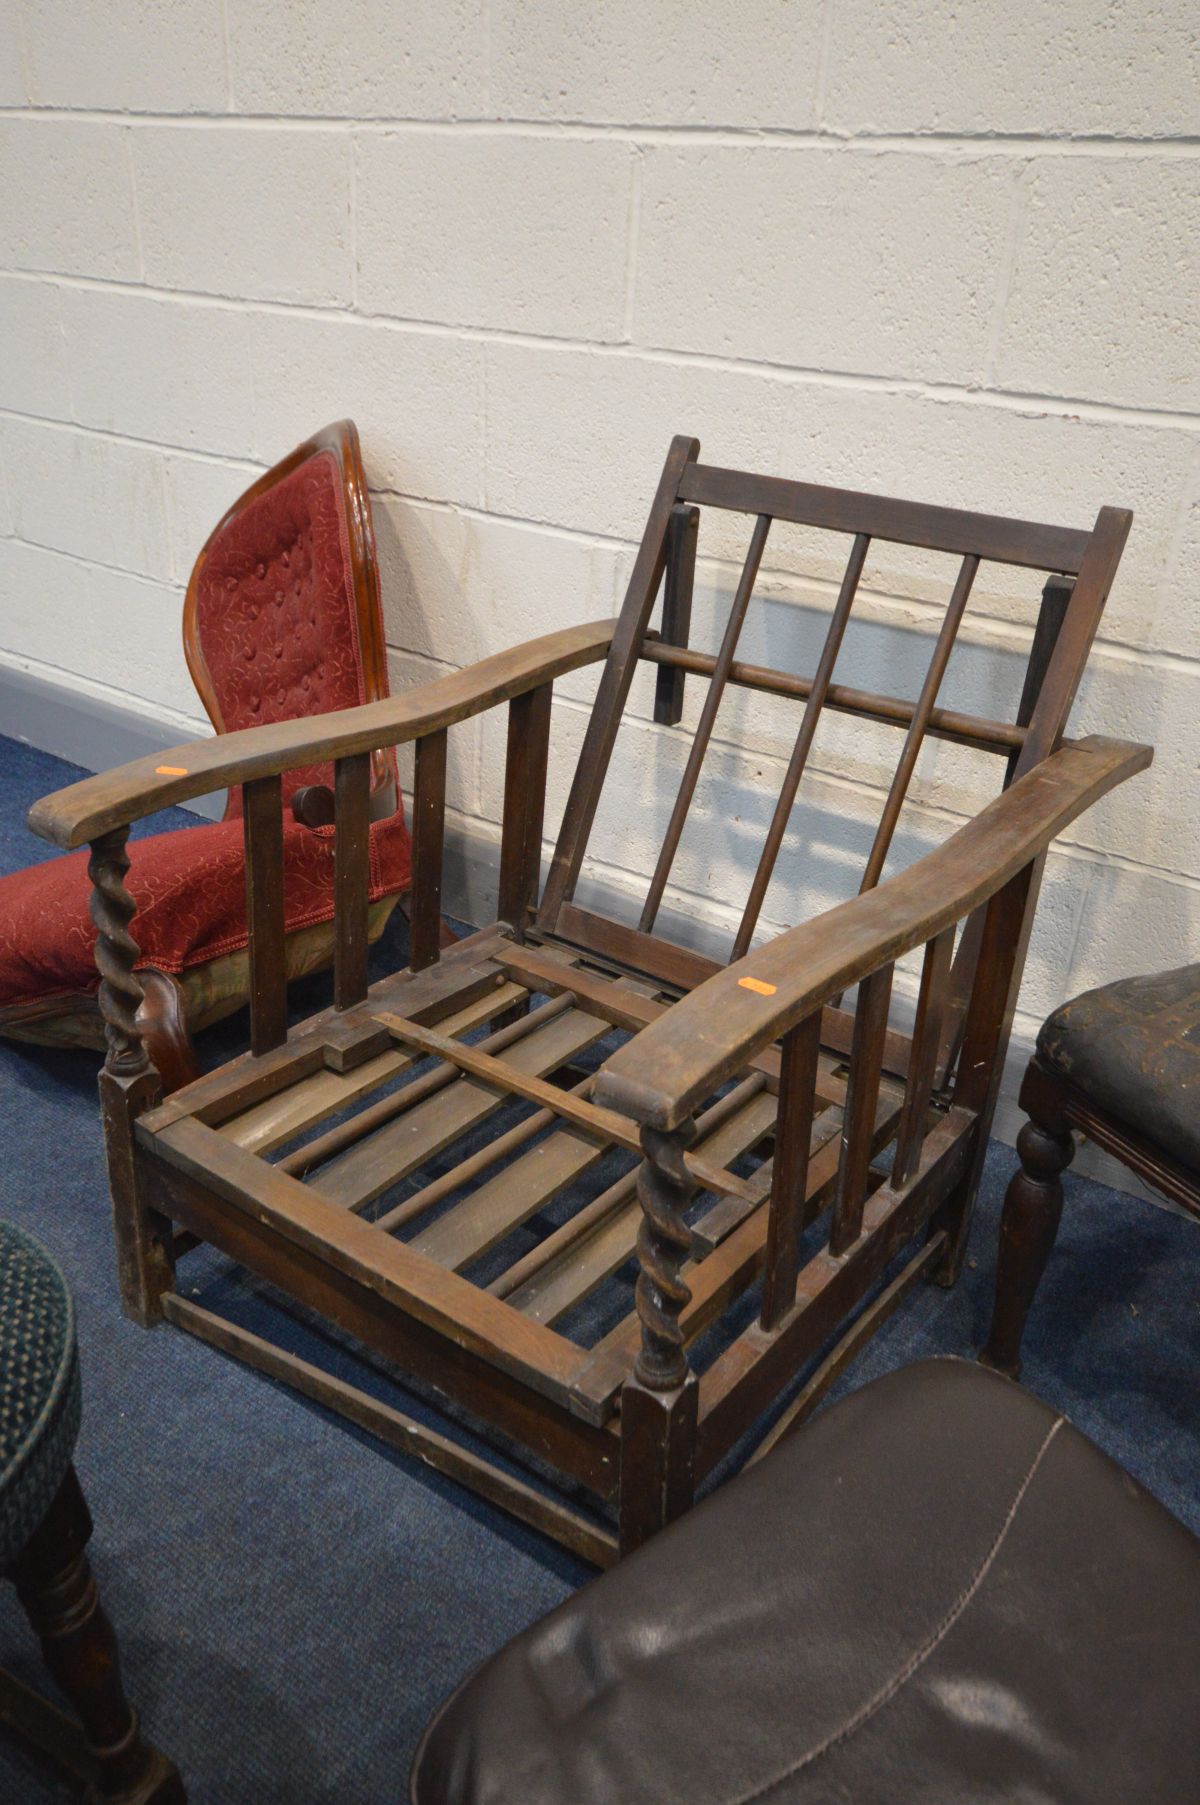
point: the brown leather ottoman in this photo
(937, 1591)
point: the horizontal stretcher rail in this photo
(976, 731)
(399, 1431)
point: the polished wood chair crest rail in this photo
(763, 1156)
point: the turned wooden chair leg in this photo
(55, 1585)
(660, 1401)
(1028, 1227)
(162, 1023)
(129, 1085)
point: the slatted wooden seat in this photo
(466, 1166)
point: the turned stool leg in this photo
(1028, 1227)
(55, 1585)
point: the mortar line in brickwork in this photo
(1018, 217)
(827, 137)
(998, 627)
(352, 217)
(823, 57)
(226, 55)
(632, 233)
(134, 205)
(793, 375)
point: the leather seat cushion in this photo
(937, 1591)
(189, 886)
(1133, 1048)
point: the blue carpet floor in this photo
(292, 1603)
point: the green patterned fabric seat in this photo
(39, 1387)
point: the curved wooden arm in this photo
(661, 1075)
(85, 810)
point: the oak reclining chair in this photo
(461, 1281)
(281, 618)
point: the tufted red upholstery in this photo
(190, 891)
(275, 610)
(276, 638)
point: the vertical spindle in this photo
(862, 1099)
(351, 877)
(262, 812)
(428, 831)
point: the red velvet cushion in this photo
(190, 890)
(275, 609)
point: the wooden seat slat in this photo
(554, 1291)
(312, 1100)
(373, 1165)
(509, 1198)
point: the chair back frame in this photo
(341, 439)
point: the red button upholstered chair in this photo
(282, 619)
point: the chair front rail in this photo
(378, 1263)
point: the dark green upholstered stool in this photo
(44, 1529)
(1121, 1065)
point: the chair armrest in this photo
(85, 810)
(673, 1064)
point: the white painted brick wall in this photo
(450, 227)
(256, 215)
(905, 245)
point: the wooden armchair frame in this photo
(756, 1060)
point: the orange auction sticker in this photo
(757, 986)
